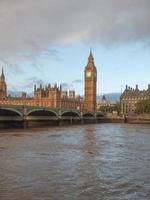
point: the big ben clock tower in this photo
(90, 80)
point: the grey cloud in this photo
(13, 65)
(27, 84)
(74, 85)
(30, 82)
(66, 86)
(77, 81)
(32, 26)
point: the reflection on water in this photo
(104, 161)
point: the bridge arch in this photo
(88, 114)
(10, 112)
(42, 112)
(70, 114)
(99, 114)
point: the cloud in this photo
(30, 82)
(66, 86)
(76, 85)
(77, 81)
(29, 28)
(27, 83)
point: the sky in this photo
(48, 41)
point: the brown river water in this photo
(88, 162)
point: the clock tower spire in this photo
(90, 80)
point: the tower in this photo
(3, 86)
(90, 80)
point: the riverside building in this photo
(130, 97)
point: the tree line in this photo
(143, 107)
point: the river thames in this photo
(88, 162)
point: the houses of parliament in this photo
(54, 96)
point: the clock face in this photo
(88, 74)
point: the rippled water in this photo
(89, 162)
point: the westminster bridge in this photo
(29, 115)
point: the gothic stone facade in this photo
(54, 96)
(130, 97)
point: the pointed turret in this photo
(91, 58)
(34, 87)
(2, 77)
(103, 98)
(3, 86)
(90, 63)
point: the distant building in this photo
(106, 106)
(130, 97)
(69, 93)
(54, 96)
(103, 103)
(24, 95)
(64, 94)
